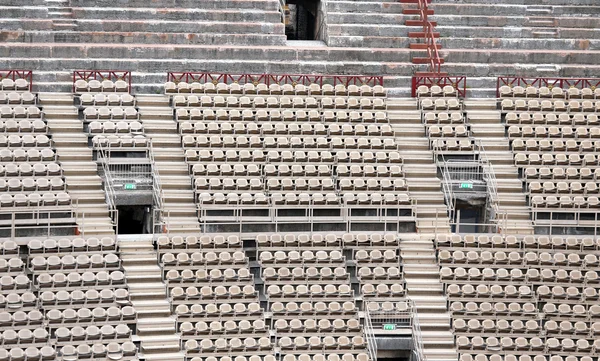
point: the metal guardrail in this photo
(268, 79)
(405, 319)
(108, 179)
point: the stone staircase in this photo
(424, 288)
(156, 327)
(486, 126)
(179, 212)
(419, 167)
(61, 14)
(84, 185)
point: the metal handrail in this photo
(157, 189)
(417, 336)
(435, 61)
(108, 183)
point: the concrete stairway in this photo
(424, 288)
(61, 14)
(420, 170)
(179, 212)
(486, 126)
(156, 327)
(80, 170)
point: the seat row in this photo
(305, 198)
(96, 86)
(257, 155)
(436, 91)
(100, 99)
(71, 245)
(31, 319)
(557, 145)
(304, 291)
(28, 155)
(557, 159)
(31, 184)
(515, 131)
(228, 257)
(14, 140)
(443, 118)
(376, 256)
(455, 291)
(547, 92)
(499, 309)
(279, 102)
(275, 89)
(29, 354)
(448, 131)
(534, 356)
(15, 301)
(11, 338)
(237, 358)
(34, 199)
(16, 84)
(204, 276)
(285, 274)
(383, 290)
(379, 273)
(30, 169)
(440, 104)
(80, 262)
(322, 343)
(77, 280)
(110, 113)
(202, 328)
(485, 326)
(293, 257)
(564, 187)
(92, 333)
(12, 265)
(519, 257)
(532, 275)
(112, 351)
(119, 127)
(275, 115)
(194, 242)
(506, 343)
(241, 141)
(120, 141)
(89, 297)
(17, 98)
(232, 345)
(320, 308)
(362, 356)
(581, 173)
(11, 283)
(565, 202)
(31, 112)
(98, 315)
(552, 118)
(550, 106)
(499, 241)
(331, 239)
(452, 144)
(220, 311)
(284, 128)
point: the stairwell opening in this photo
(135, 219)
(304, 20)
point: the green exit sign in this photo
(389, 327)
(129, 186)
(466, 186)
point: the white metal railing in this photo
(108, 184)
(479, 169)
(157, 190)
(417, 337)
(48, 222)
(370, 337)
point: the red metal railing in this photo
(435, 61)
(101, 75)
(564, 83)
(306, 79)
(18, 74)
(458, 82)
